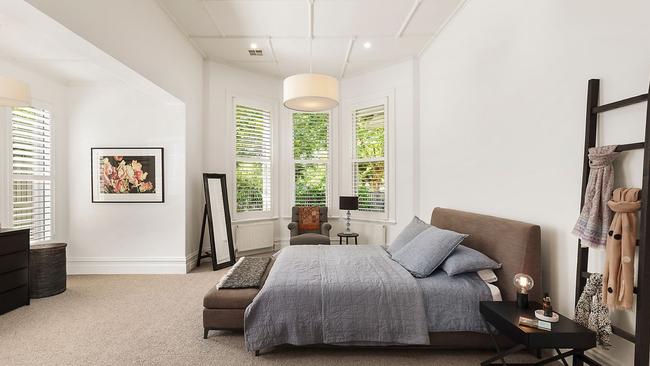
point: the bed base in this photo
(477, 341)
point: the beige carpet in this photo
(156, 320)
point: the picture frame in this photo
(127, 175)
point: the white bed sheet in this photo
(496, 293)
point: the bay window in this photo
(253, 158)
(311, 152)
(369, 157)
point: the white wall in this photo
(117, 237)
(222, 83)
(397, 82)
(503, 93)
(142, 36)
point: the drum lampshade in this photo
(310, 92)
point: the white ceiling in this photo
(291, 33)
(45, 54)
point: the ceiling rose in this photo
(311, 92)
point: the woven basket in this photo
(47, 272)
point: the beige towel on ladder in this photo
(618, 280)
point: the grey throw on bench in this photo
(248, 272)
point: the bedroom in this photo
(483, 112)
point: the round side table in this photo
(347, 237)
(47, 273)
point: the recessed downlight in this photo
(254, 45)
(367, 45)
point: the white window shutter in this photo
(369, 162)
(311, 145)
(31, 140)
(253, 147)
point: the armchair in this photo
(309, 237)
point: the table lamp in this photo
(348, 203)
(523, 283)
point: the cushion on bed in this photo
(464, 259)
(415, 227)
(422, 255)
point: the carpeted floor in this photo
(156, 320)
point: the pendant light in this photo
(310, 92)
(14, 93)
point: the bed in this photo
(358, 296)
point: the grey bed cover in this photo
(357, 295)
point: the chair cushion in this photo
(310, 239)
(309, 218)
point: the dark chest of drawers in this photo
(14, 269)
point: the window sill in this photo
(353, 219)
(367, 219)
(246, 221)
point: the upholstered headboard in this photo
(514, 244)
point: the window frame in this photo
(348, 149)
(7, 134)
(328, 162)
(270, 106)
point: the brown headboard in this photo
(514, 244)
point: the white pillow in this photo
(488, 275)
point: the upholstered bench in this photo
(223, 309)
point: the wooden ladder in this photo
(641, 338)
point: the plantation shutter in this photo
(253, 159)
(369, 163)
(311, 158)
(31, 140)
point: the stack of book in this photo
(534, 323)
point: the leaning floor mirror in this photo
(216, 214)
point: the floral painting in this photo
(127, 174)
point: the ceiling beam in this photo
(311, 18)
(214, 21)
(414, 8)
(275, 60)
(182, 30)
(442, 27)
(263, 36)
(347, 57)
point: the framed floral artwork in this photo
(127, 175)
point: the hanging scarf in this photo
(592, 313)
(618, 284)
(593, 223)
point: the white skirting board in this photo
(148, 265)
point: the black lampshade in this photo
(348, 202)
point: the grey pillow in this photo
(464, 259)
(408, 233)
(422, 255)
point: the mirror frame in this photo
(224, 194)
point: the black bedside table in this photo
(504, 316)
(347, 237)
